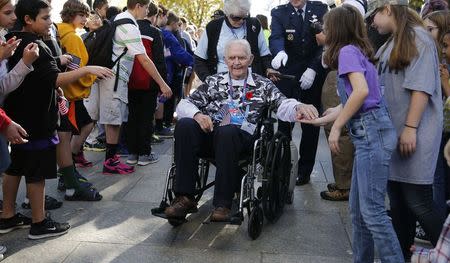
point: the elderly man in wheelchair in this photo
(219, 120)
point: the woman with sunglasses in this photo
(409, 75)
(237, 24)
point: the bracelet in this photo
(412, 127)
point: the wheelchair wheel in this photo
(276, 177)
(255, 222)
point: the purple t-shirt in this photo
(351, 59)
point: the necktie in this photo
(300, 17)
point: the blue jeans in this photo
(374, 138)
(4, 155)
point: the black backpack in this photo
(99, 43)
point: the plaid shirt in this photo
(440, 254)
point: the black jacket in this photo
(33, 103)
(204, 68)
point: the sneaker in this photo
(18, 221)
(132, 159)
(420, 234)
(2, 251)
(337, 195)
(80, 161)
(114, 166)
(164, 133)
(95, 147)
(147, 159)
(156, 140)
(48, 228)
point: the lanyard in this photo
(230, 88)
(243, 97)
(234, 33)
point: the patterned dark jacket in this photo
(211, 97)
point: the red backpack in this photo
(139, 78)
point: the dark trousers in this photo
(411, 203)
(226, 144)
(141, 106)
(169, 105)
(310, 133)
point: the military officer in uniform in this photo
(295, 51)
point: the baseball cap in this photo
(375, 4)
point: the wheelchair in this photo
(266, 186)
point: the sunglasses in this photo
(238, 18)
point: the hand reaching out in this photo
(100, 72)
(7, 48)
(15, 134)
(65, 59)
(30, 54)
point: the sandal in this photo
(50, 203)
(85, 194)
(81, 179)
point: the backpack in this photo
(139, 78)
(99, 43)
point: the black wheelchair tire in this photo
(255, 222)
(276, 177)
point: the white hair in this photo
(236, 7)
(240, 42)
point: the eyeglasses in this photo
(431, 28)
(238, 18)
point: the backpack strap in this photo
(116, 23)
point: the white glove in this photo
(280, 59)
(307, 79)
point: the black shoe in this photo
(420, 234)
(48, 228)
(302, 180)
(50, 203)
(18, 221)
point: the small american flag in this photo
(62, 105)
(72, 66)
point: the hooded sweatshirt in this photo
(73, 44)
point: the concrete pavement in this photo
(120, 228)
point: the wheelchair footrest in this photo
(237, 219)
(159, 211)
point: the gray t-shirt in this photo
(421, 75)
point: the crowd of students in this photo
(57, 100)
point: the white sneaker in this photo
(2, 251)
(132, 159)
(147, 159)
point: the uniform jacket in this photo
(297, 41)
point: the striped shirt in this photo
(129, 36)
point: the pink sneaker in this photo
(124, 166)
(80, 161)
(114, 166)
